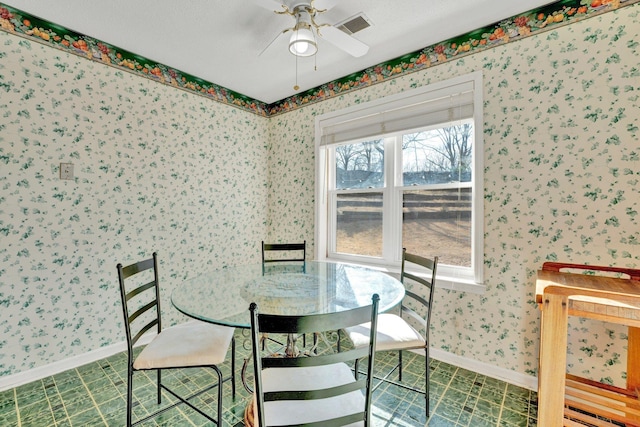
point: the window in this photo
(405, 171)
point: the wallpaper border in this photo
(512, 29)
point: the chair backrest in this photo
(317, 323)
(140, 295)
(423, 295)
(287, 249)
(283, 253)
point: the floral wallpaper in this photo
(158, 168)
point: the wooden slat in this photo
(633, 361)
(585, 418)
(604, 317)
(598, 400)
(574, 379)
(634, 274)
(602, 400)
(602, 412)
(551, 376)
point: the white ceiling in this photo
(221, 40)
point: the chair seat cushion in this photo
(394, 333)
(192, 343)
(286, 412)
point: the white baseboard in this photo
(21, 378)
(11, 381)
(506, 375)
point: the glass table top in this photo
(223, 296)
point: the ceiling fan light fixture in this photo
(302, 42)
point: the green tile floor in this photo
(94, 395)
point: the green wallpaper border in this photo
(517, 27)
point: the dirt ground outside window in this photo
(449, 239)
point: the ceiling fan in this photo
(304, 33)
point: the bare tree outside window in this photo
(457, 147)
(360, 165)
(438, 156)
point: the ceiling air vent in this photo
(354, 24)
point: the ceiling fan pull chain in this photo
(296, 87)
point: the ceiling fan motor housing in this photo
(303, 40)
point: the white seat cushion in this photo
(394, 333)
(309, 378)
(193, 343)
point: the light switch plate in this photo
(66, 170)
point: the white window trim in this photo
(446, 278)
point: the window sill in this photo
(443, 282)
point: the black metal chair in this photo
(284, 253)
(316, 390)
(287, 253)
(188, 345)
(402, 332)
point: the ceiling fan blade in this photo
(352, 46)
(272, 41)
(271, 5)
(325, 4)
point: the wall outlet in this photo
(66, 170)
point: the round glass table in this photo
(223, 296)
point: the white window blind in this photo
(399, 113)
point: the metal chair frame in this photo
(283, 247)
(423, 320)
(129, 318)
(293, 325)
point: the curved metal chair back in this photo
(308, 383)
(283, 252)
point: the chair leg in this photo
(400, 365)
(129, 395)
(159, 385)
(426, 376)
(220, 381)
(233, 367)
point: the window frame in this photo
(451, 277)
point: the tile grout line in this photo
(504, 398)
(180, 407)
(92, 398)
(53, 415)
(15, 399)
(444, 392)
(113, 384)
(46, 396)
(62, 402)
